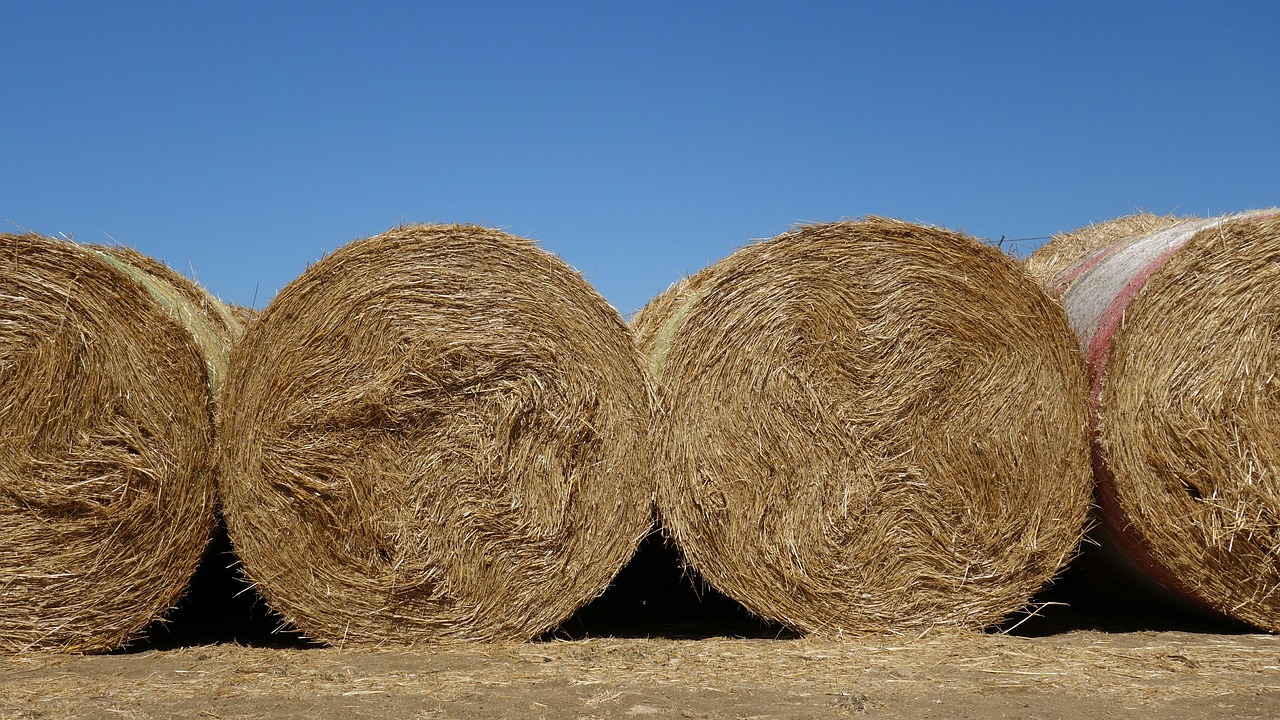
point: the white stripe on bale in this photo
(1089, 296)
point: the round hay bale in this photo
(438, 433)
(1180, 329)
(106, 475)
(869, 426)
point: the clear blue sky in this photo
(639, 141)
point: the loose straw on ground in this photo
(1179, 321)
(869, 426)
(438, 433)
(107, 360)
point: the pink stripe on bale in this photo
(1150, 430)
(1134, 552)
(1064, 281)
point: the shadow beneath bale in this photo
(655, 596)
(1082, 599)
(220, 607)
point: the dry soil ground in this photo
(1077, 674)
(655, 646)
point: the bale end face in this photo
(435, 434)
(869, 426)
(106, 487)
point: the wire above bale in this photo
(438, 433)
(1181, 327)
(869, 426)
(106, 430)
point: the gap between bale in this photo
(106, 479)
(869, 426)
(439, 433)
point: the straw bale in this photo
(434, 434)
(869, 426)
(1066, 249)
(106, 486)
(244, 314)
(1180, 329)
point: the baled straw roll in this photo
(869, 426)
(107, 359)
(438, 433)
(1181, 327)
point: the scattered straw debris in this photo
(620, 675)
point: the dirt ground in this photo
(1078, 674)
(657, 645)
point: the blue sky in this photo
(240, 141)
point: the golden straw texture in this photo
(438, 433)
(869, 426)
(106, 420)
(245, 315)
(1187, 409)
(212, 324)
